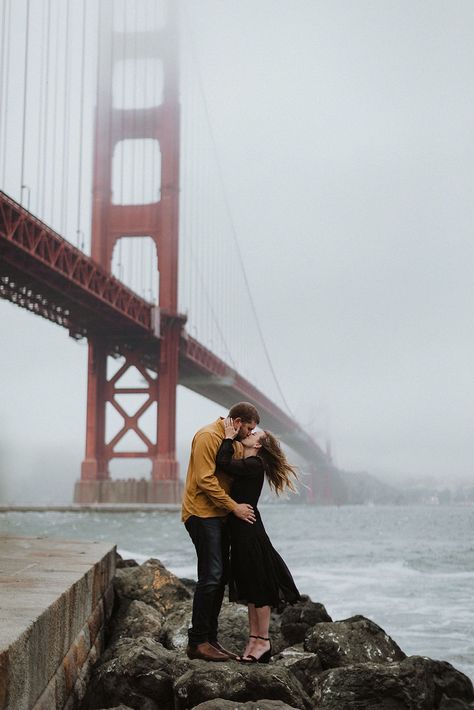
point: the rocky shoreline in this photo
(317, 663)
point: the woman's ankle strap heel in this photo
(264, 658)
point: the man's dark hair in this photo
(245, 411)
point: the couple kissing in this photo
(228, 464)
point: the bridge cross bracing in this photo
(112, 187)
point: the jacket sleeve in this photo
(232, 466)
(205, 448)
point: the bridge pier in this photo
(131, 490)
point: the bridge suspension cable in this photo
(4, 80)
(228, 210)
(25, 100)
(81, 123)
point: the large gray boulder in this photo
(151, 601)
(354, 640)
(152, 584)
(453, 704)
(135, 619)
(174, 633)
(239, 683)
(120, 562)
(414, 683)
(297, 619)
(304, 665)
(449, 683)
(137, 672)
(221, 704)
(343, 665)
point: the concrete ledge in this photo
(55, 597)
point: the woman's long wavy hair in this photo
(280, 474)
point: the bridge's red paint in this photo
(35, 254)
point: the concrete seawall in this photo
(55, 597)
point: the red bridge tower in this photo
(110, 223)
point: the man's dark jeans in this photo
(211, 540)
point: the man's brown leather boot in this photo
(220, 648)
(206, 652)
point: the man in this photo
(206, 503)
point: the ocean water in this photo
(409, 569)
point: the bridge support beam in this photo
(158, 392)
(95, 465)
(165, 465)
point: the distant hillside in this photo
(362, 488)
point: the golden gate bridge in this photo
(104, 122)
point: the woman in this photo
(258, 575)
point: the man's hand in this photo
(244, 511)
(230, 429)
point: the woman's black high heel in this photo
(264, 658)
(251, 636)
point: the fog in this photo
(344, 135)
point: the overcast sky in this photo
(344, 132)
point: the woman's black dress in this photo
(258, 575)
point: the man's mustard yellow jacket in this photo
(206, 492)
